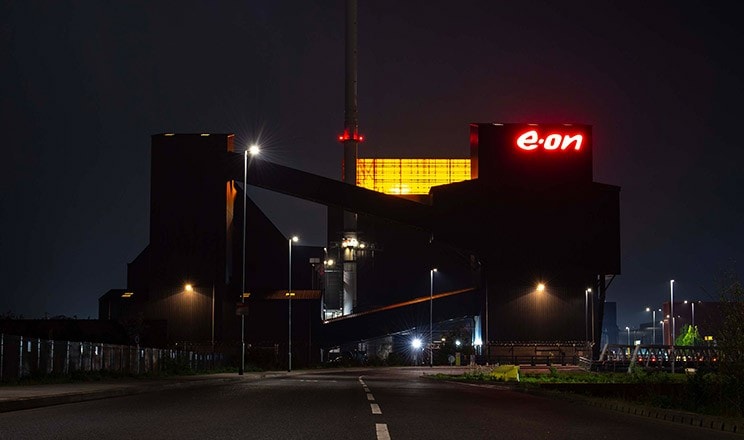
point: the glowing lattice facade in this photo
(410, 176)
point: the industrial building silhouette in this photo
(530, 214)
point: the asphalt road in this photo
(371, 404)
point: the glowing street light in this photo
(290, 294)
(692, 304)
(628, 329)
(586, 313)
(253, 150)
(431, 308)
(540, 287)
(416, 345)
(653, 322)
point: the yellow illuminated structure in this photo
(410, 176)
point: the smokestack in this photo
(351, 137)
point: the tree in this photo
(731, 338)
(689, 336)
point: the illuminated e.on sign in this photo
(531, 140)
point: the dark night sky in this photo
(85, 83)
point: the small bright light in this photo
(478, 342)
(350, 242)
(295, 239)
(204, 134)
(540, 287)
(253, 150)
(648, 309)
(627, 328)
(458, 343)
(189, 288)
(434, 270)
(685, 301)
(416, 343)
(329, 262)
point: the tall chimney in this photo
(350, 137)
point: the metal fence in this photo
(22, 357)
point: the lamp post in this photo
(662, 331)
(628, 329)
(671, 314)
(431, 308)
(212, 317)
(252, 150)
(653, 323)
(692, 304)
(586, 315)
(289, 295)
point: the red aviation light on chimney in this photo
(531, 140)
(350, 137)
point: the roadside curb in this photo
(685, 418)
(116, 391)
(734, 426)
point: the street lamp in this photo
(290, 294)
(653, 322)
(628, 329)
(692, 304)
(416, 344)
(253, 150)
(671, 313)
(671, 306)
(431, 308)
(586, 315)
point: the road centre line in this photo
(382, 431)
(375, 408)
(370, 397)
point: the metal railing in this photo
(22, 357)
(622, 357)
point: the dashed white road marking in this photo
(370, 397)
(375, 408)
(382, 431)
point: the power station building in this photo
(523, 240)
